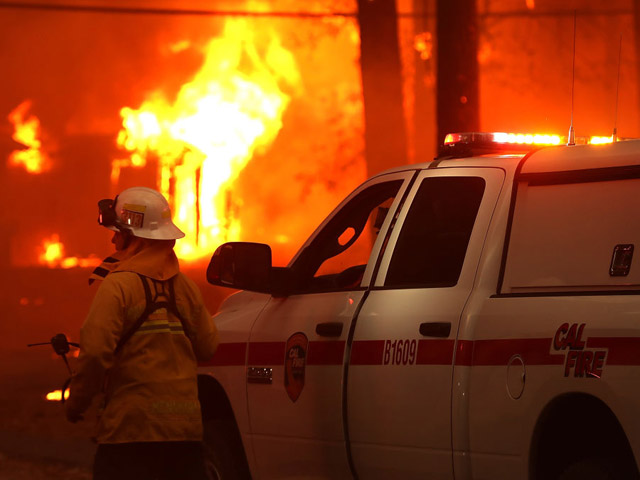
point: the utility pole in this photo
(385, 135)
(636, 32)
(458, 102)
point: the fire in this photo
(27, 132)
(56, 395)
(201, 142)
(52, 255)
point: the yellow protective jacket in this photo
(150, 385)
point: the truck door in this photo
(297, 345)
(399, 376)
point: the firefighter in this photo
(139, 345)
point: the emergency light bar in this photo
(478, 143)
(497, 138)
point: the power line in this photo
(608, 12)
(167, 11)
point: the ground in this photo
(25, 468)
(36, 441)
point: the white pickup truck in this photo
(474, 317)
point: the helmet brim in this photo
(167, 232)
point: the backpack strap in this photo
(151, 305)
(173, 307)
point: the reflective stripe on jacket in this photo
(150, 386)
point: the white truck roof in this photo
(582, 157)
(552, 159)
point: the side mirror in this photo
(241, 265)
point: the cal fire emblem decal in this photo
(295, 361)
(580, 360)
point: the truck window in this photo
(431, 247)
(573, 237)
(338, 256)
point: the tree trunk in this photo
(458, 103)
(385, 137)
(424, 108)
(636, 33)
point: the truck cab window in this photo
(431, 247)
(337, 257)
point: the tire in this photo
(594, 469)
(223, 451)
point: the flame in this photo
(27, 131)
(52, 255)
(201, 142)
(56, 395)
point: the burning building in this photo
(223, 114)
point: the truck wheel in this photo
(224, 457)
(593, 469)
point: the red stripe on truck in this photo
(326, 352)
(494, 352)
(435, 352)
(622, 350)
(534, 351)
(266, 353)
(430, 352)
(367, 352)
(228, 354)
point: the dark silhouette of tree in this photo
(458, 103)
(385, 137)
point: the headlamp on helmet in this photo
(107, 216)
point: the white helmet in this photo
(142, 211)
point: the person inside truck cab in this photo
(139, 345)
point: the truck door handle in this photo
(435, 329)
(329, 329)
